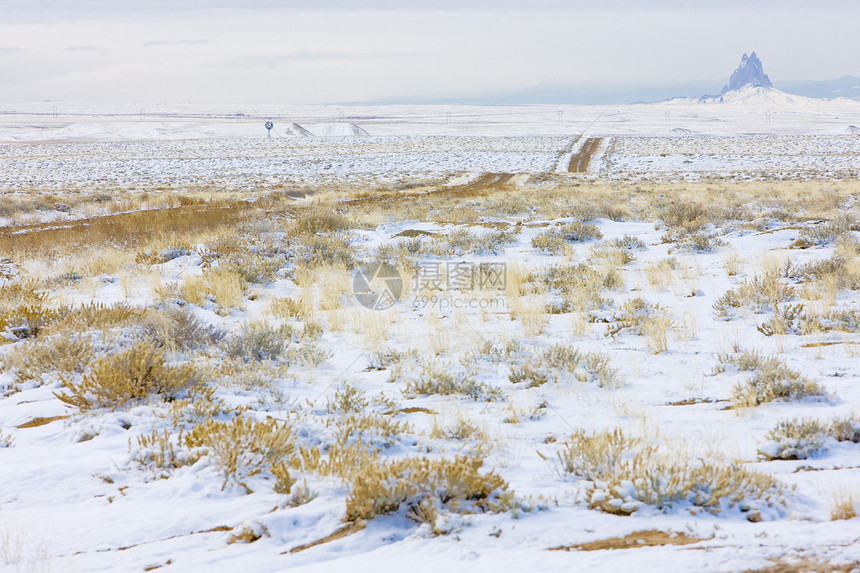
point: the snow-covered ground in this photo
(73, 496)
(754, 135)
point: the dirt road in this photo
(579, 162)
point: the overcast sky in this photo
(323, 51)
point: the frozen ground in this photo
(77, 501)
(84, 146)
(73, 498)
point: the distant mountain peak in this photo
(749, 73)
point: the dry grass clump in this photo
(733, 264)
(333, 249)
(819, 235)
(623, 473)
(24, 310)
(402, 253)
(497, 352)
(132, 230)
(793, 319)
(384, 358)
(681, 213)
(560, 361)
(260, 340)
(158, 451)
(774, 380)
(462, 241)
(790, 319)
(177, 328)
(255, 268)
(799, 439)
(628, 243)
(320, 219)
(696, 242)
(844, 506)
(845, 429)
(138, 373)
(556, 240)
(634, 317)
(640, 317)
(223, 287)
(579, 287)
(759, 295)
(437, 379)
(611, 257)
(61, 355)
(359, 420)
(794, 440)
(100, 316)
(660, 274)
(421, 487)
(426, 487)
(163, 255)
(841, 271)
(286, 308)
(243, 448)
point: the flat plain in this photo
(650, 361)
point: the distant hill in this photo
(608, 93)
(750, 73)
(848, 87)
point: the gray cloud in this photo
(10, 50)
(275, 60)
(155, 43)
(85, 49)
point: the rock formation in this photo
(750, 72)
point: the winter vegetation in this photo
(580, 370)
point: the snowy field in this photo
(652, 365)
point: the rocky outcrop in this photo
(749, 73)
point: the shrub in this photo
(683, 214)
(556, 239)
(178, 328)
(845, 430)
(462, 241)
(697, 242)
(308, 353)
(254, 268)
(773, 380)
(560, 359)
(287, 307)
(101, 316)
(579, 286)
(243, 448)
(136, 374)
(261, 341)
(436, 380)
(335, 249)
(794, 440)
(628, 243)
(387, 357)
(761, 294)
(785, 321)
(622, 473)
(158, 451)
(636, 316)
(63, 355)
(320, 219)
(224, 287)
(818, 236)
(426, 487)
(148, 257)
(841, 269)
(26, 321)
